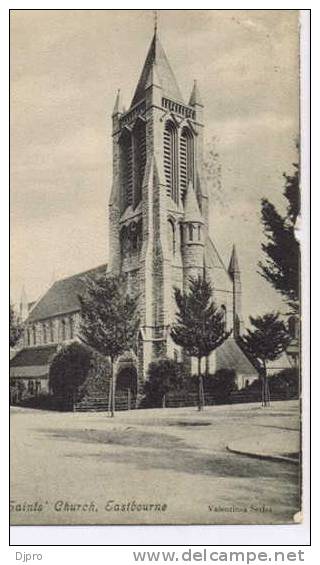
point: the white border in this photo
(201, 535)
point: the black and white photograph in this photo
(155, 311)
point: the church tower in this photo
(158, 212)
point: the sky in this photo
(66, 67)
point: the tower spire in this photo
(195, 98)
(155, 21)
(234, 263)
(117, 104)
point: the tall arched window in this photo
(51, 330)
(139, 157)
(171, 238)
(28, 337)
(34, 334)
(170, 160)
(71, 327)
(44, 332)
(186, 151)
(126, 169)
(63, 330)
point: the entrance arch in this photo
(126, 379)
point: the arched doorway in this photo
(126, 381)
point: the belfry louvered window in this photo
(139, 156)
(186, 160)
(170, 160)
(127, 170)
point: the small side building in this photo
(51, 321)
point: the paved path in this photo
(67, 468)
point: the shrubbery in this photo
(286, 383)
(219, 385)
(164, 376)
(77, 371)
(166, 379)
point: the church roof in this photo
(230, 356)
(157, 69)
(34, 356)
(212, 256)
(191, 207)
(62, 296)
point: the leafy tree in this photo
(69, 370)
(282, 264)
(164, 376)
(109, 322)
(15, 327)
(199, 326)
(266, 342)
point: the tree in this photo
(266, 342)
(15, 327)
(164, 376)
(109, 322)
(68, 371)
(282, 264)
(199, 328)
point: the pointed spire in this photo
(155, 15)
(195, 98)
(156, 58)
(191, 207)
(234, 264)
(117, 104)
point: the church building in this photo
(159, 215)
(158, 233)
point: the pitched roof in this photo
(212, 256)
(157, 67)
(34, 356)
(62, 296)
(191, 206)
(230, 356)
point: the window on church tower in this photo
(127, 169)
(172, 237)
(170, 160)
(139, 156)
(186, 154)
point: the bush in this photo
(286, 381)
(77, 371)
(164, 376)
(220, 385)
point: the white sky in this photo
(66, 67)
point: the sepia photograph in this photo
(155, 311)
